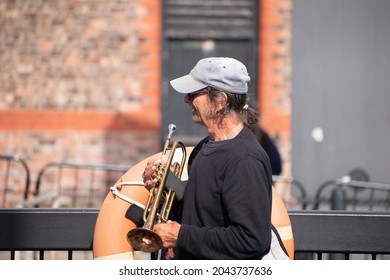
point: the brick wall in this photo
(80, 79)
(275, 74)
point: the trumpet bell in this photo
(145, 240)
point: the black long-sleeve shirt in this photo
(227, 201)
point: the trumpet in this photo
(160, 199)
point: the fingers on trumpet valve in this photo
(153, 172)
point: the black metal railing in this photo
(67, 184)
(15, 180)
(350, 233)
(296, 193)
(347, 194)
(317, 234)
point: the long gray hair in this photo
(238, 103)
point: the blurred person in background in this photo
(271, 149)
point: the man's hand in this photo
(150, 173)
(168, 232)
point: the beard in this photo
(196, 118)
(204, 117)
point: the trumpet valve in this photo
(159, 173)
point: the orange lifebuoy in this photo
(110, 235)
(111, 228)
(281, 221)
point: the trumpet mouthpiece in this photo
(171, 129)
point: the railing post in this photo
(339, 199)
(338, 202)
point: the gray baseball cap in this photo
(223, 73)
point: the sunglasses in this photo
(191, 96)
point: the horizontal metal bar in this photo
(344, 232)
(341, 231)
(47, 229)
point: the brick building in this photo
(80, 80)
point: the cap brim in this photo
(187, 84)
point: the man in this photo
(226, 211)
